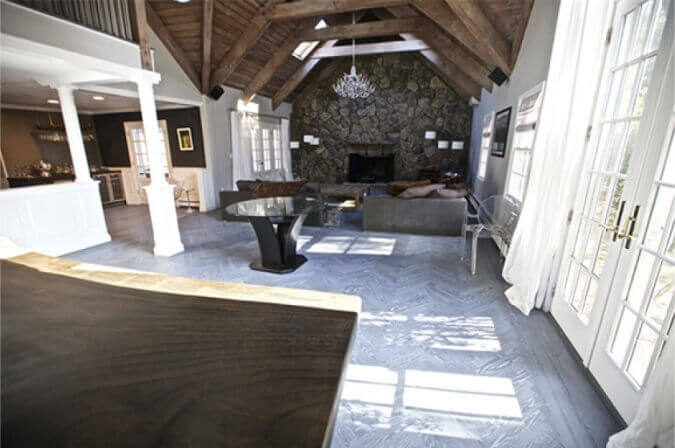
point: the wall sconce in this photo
(315, 141)
(307, 138)
(443, 144)
(430, 135)
(295, 145)
(457, 145)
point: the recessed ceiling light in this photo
(98, 97)
(182, 1)
(53, 101)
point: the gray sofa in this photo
(422, 216)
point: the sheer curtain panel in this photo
(567, 106)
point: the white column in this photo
(160, 192)
(74, 133)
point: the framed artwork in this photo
(185, 139)
(501, 132)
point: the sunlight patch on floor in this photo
(350, 245)
(429, 402)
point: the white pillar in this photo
(160, 192)
(72, 123)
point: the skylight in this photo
(305, 48)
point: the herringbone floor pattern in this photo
(440, 360)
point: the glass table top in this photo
(273, 207)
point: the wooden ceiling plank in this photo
(277, 60)
(520, 33)
(438, 11)
(375, 48)
(308, 8)
(207, 39)
(176, 51)
(470, 13)
(236, 53)
(438, 40)
(366, 29)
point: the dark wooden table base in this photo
(278, 247)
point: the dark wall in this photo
(113, 143)
(21, 149)
(409, 99)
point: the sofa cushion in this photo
(421, 191)
(447, 193)
(247, 185)
(268, 189)
(398, 187)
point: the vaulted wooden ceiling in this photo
(247, 44)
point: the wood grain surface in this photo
(93, 364)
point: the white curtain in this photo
(653, 423)
(566, 111)
(242, 160)
(286, 148)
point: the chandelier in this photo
(352, 85)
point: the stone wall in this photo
(409, 99)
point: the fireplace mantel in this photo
(372, 149)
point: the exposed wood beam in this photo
(139, 23)
(438, 40)
(176, 51)
(238, 50)
(459, 80)
(299, 75)
(376, 48)
(438, 11)
(479, 25)
(207, 37)
(323, 74)
(445, 77)
(520, 34)
(265, 74)
(308, 8)
(367, 29)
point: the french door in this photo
(138, 154)
(610, 275)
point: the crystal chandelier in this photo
(352, 85)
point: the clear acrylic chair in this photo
(497, 215)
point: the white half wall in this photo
(54, 219)
(530, 70)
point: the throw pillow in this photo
(420, 192)
(446, 193)
(268, 189)
(398, 187)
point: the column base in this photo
(164, 220)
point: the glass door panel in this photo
(614, 160)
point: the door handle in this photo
(615, 229)
(633, 221)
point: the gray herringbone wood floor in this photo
(440, 360)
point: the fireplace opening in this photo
(370, 163)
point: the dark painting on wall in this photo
(501, 132)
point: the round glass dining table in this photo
(277, 222)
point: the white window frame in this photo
(485, 143)
(512, 152)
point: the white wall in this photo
(220, 135)
(531, 69)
